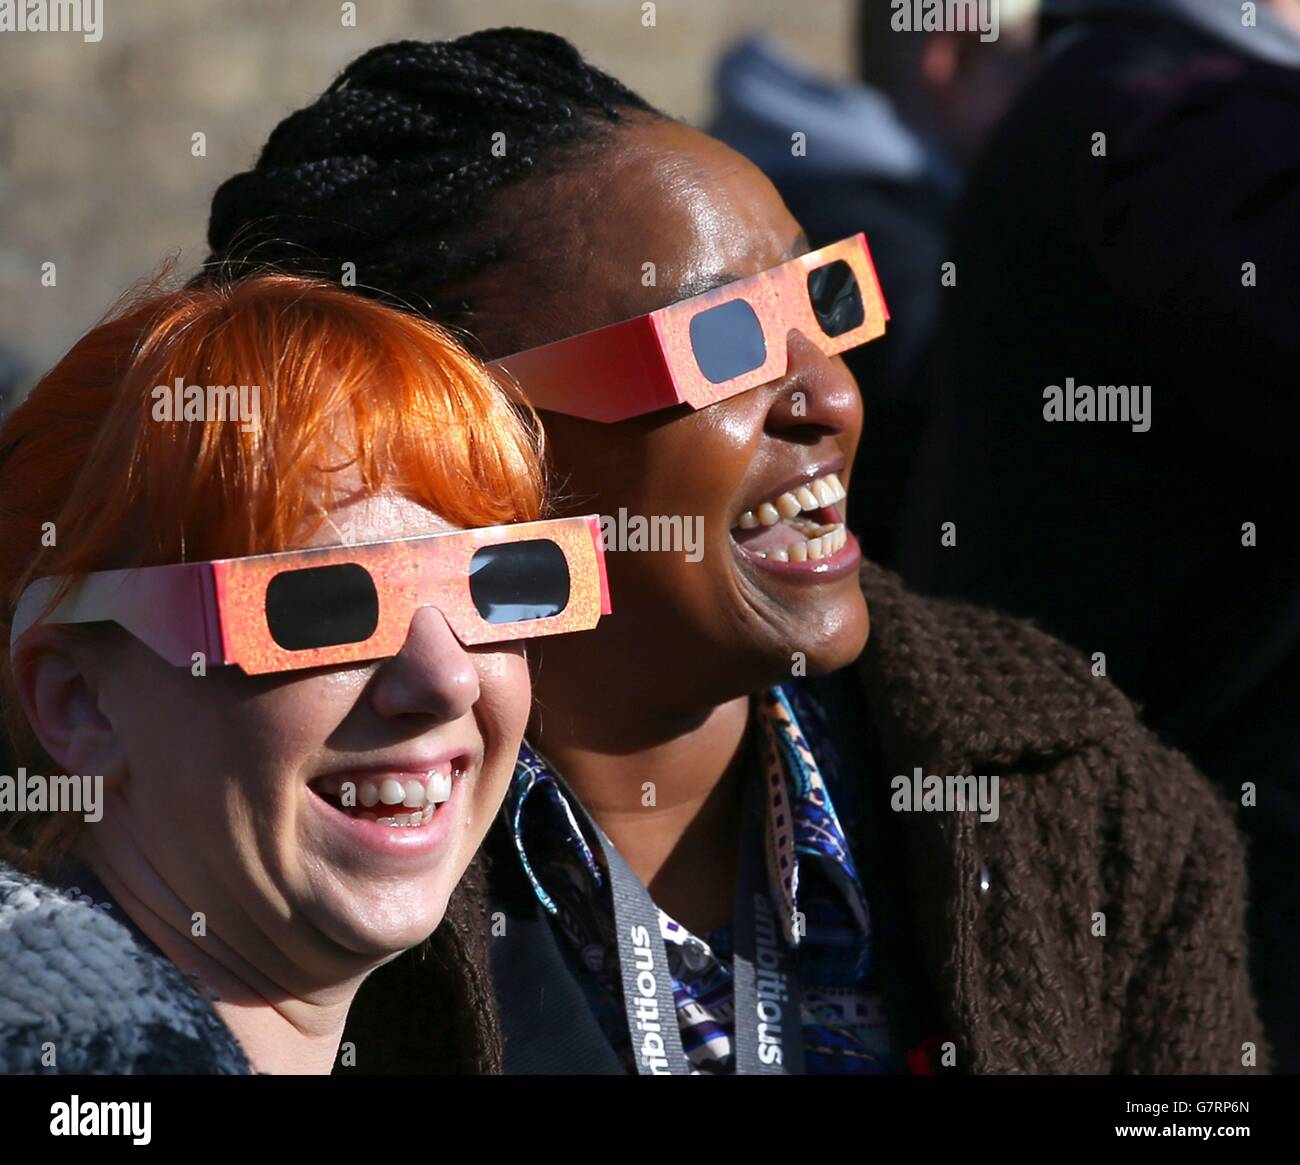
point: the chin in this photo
(381, 926)
(838, 639)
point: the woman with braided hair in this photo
(775, 814)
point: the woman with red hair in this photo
(265, 685)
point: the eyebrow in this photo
(701, 284)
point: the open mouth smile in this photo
(398, 800)
(804, 524)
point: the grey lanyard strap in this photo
(765, 983)
(768, 1028)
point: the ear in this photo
(60, 691)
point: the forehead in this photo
(702, 211)
(374, 517)
(660, 213)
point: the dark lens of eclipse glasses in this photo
(728, 341)
(836, 298)
(516, 581)
(322, 606)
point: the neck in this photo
(284, 1030)
(665, 789)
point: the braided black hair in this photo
(393, 162)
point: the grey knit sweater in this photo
(82, 991)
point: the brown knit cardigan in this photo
(1095, 816)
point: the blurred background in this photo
(96, 169)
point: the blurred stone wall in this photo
(97, 174)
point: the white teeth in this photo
(391, 802)
(414, 798)
(407, 820)
(818, 539)
(823, 542)
(814, 495)
(439, 789)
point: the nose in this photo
(432, 676)
(817, 397)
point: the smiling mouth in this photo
(804, 524)
(397, 800)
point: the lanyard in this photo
(768, 1026)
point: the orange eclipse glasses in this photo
(343, 604)
(712, 346)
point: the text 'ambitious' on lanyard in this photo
(768, 1026)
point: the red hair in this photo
(343, 381)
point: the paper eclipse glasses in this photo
(341, 604)
(712, 346)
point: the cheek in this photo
(699, 461)
(171, 722)
(857, 418)
(505, 697)
(231, 738)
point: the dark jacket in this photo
(1095, 818)
(1132, 269)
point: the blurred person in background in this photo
(884, 154)
(1165, 252)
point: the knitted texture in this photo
(1099, 825)
(76, 982)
